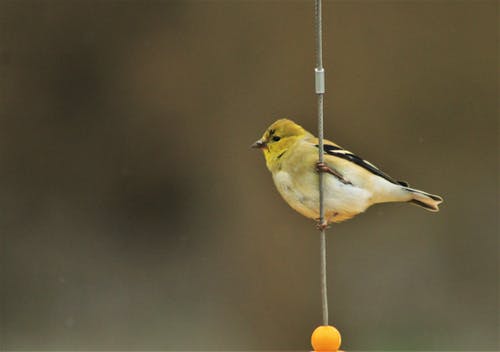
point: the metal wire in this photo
(320, 90)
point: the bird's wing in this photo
(335, 151)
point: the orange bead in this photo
(325, 339)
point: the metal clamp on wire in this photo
(320, 80)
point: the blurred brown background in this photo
(133, 214)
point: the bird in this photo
(351, 184)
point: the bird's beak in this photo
(259, 144)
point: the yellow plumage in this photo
(351, 184)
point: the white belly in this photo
(341, 201)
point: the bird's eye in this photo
(276, 138)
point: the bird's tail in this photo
(425, 200)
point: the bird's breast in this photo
(301, 196)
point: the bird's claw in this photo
(322, 225)
(321, 167)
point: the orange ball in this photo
(325, 339)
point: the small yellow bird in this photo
(351, 184)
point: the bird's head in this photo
(278, 138)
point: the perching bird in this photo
(351, 184)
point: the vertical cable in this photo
(320, 91)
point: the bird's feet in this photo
(322, 167)
(321, 225)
